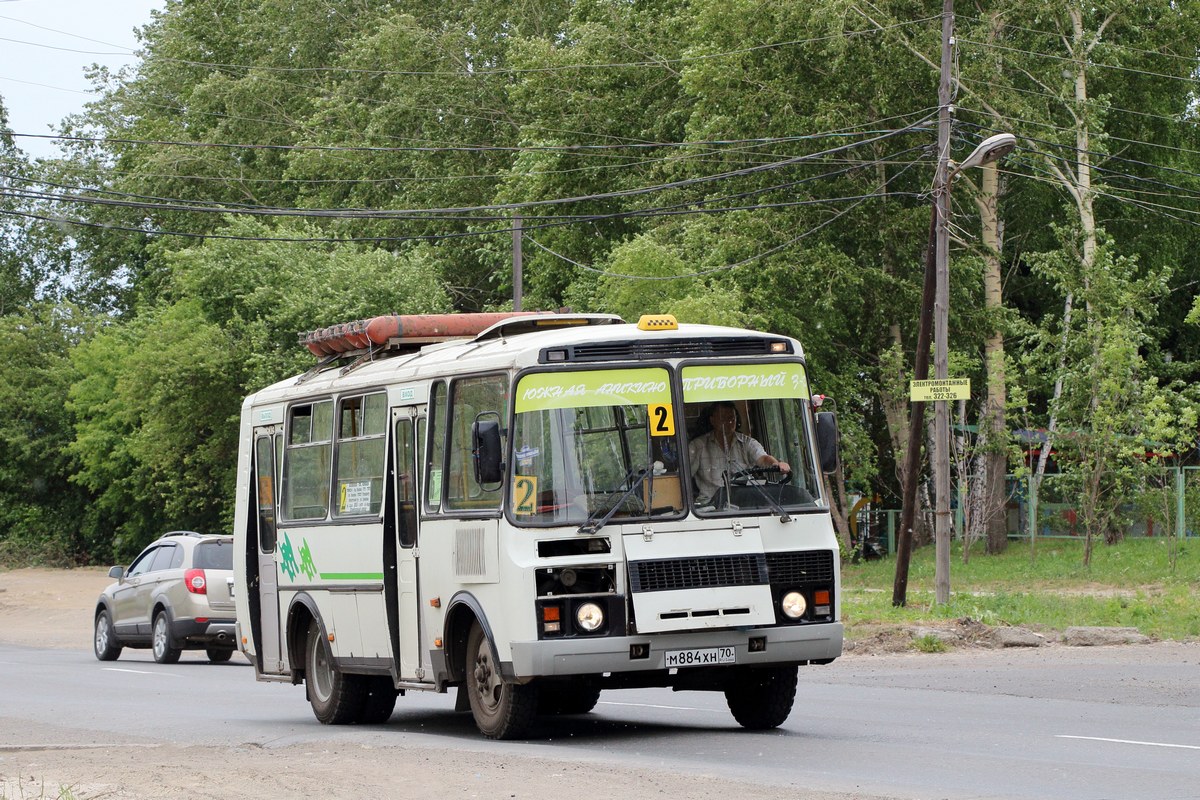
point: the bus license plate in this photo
(700, 657)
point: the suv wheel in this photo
(218, 655)
(164, 653)
(105, 641)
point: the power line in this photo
(621, 193)
(729, 267)
(1091, 64)
(1108, 156)
(159, 203)
(480, 73)
(1191, 59)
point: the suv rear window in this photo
(213, 555)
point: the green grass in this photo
(1149, 584)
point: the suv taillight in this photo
(195, 581)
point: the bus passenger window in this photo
(307, 462)
(434, 452)
(360, 455)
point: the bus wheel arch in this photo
(301, 613)
(463, 612)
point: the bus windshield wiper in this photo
(636, 478)
(778, 509)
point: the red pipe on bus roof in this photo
(363, 333)
(380, 329)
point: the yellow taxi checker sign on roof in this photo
(657, 322)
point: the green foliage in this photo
(158, 398)
(929, 644)
(39, 509)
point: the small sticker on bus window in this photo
(525, 494)
(355, 498)
(435, 486)
(525, 455)
(662, 419)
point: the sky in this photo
(40, 84)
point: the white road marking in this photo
(669, 708)
(138, 672)
(1129, 741)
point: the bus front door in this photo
(267, 442)
(407, 427)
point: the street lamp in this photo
(935, 294)
(988, 151)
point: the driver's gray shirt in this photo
(709, 459)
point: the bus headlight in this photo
(589, 617)
(794, 605)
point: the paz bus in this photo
(503, 504)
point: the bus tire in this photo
(567, 699)
(501, 710)
(379, 701)
(760, 699)
(336, 698)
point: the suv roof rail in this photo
(181, 533)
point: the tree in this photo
(39, 508)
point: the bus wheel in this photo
(762, 698)
(567, 699)
(379, 701)
(501, 710)
(336, 699)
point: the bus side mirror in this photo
(827, 441)
(486, 449)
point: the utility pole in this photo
(517, 277)
(941, 307)
(916, 426)
(935, 303)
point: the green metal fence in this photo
(1168, 505)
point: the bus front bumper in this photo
(751, 647)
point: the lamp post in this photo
(936, 278)
(989, 150)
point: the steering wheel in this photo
(772, 476)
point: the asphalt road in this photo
(1048, 724)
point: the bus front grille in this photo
(707, 572)
(800, 567)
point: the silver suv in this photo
(177, 595)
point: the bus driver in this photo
(724, 452)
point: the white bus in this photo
(505, 504)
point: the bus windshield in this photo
(591, 445)
(748, 441)
(589, 442)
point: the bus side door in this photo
(408, 429)
(267, 444)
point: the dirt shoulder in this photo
(50, 607)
